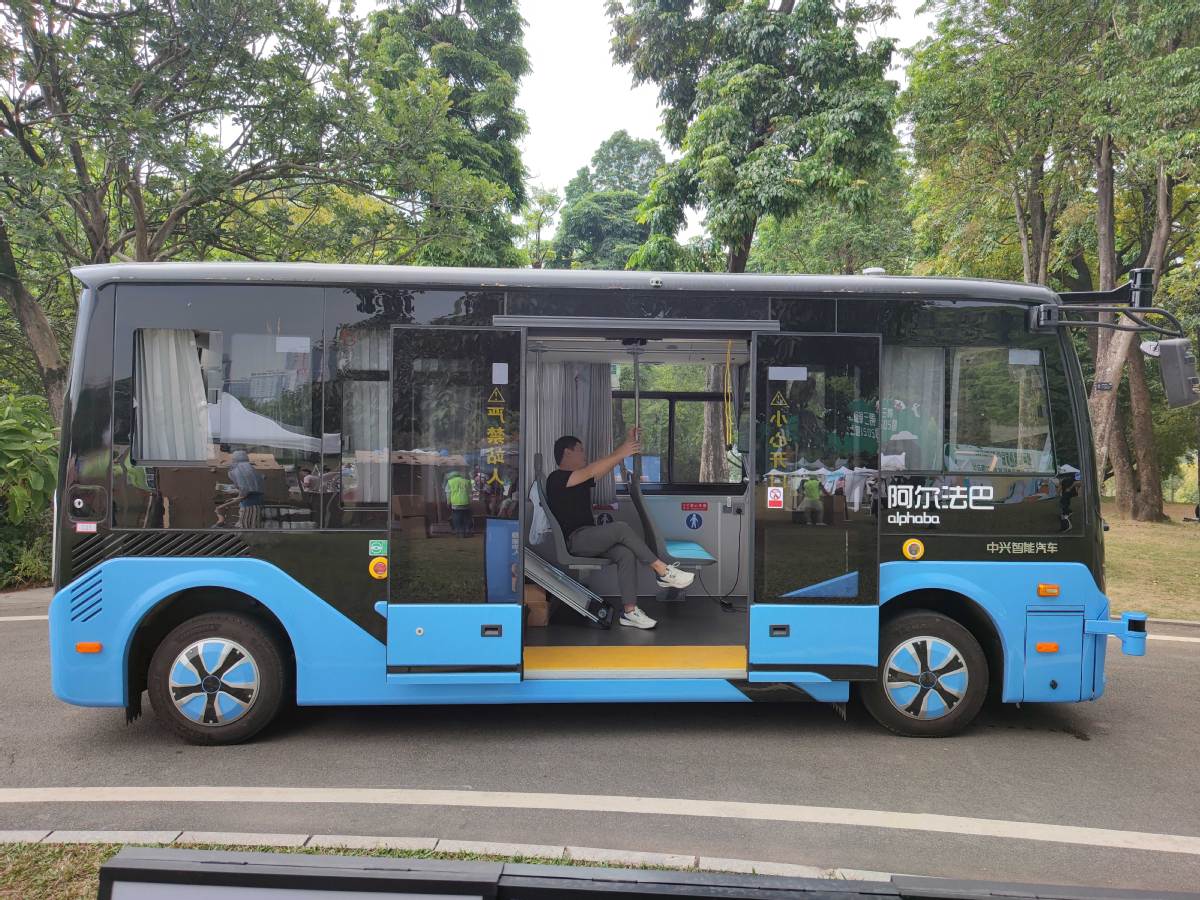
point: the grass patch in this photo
(72, 871)
(1154, 567)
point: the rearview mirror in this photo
(1177, 363)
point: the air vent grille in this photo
(95, 549)
(87, 598)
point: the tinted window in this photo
(912, 408)
(217, 407)
(999, 414)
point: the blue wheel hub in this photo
(214, 681)
(926, 677)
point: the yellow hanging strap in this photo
(728, 395)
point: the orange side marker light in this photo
(1047, 590)
(89, 647)
(1046, 647)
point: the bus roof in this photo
(579, 279)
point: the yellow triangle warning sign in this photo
(778, 400)
(496, 397)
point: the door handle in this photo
(491, 630)
(781, 630)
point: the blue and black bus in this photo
(321, 483)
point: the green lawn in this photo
(1154, 568)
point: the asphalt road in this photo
(1127, 762)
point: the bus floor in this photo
(695, 638)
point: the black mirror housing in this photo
(1177, 362)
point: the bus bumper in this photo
(1130, 629)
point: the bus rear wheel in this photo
(217, 679)
(933, 678)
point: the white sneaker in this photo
(675, 577)
(637, 619)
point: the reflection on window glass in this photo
(456, 427)
(357, 422)
(912, 408)
(999, 416)
(240, 403)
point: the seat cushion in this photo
(690, 553)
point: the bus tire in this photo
(933, 676)
(217, 679)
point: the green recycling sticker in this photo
(376, 548)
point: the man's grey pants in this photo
(620, 543)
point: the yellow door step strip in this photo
(636, 662)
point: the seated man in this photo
(568, 491)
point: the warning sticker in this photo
(774, 498)
(694, 507)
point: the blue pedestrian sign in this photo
(693, 521)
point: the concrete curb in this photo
(624, 858)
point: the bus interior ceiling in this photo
(687, 407)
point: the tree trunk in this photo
(36, 327)
(1113, 347)
(1106, 226)
(1124, 480)
(713, 467)
(739, 252)
(1148, 499)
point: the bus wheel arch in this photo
(177, 608)
(964, 610)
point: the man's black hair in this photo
(562, 445)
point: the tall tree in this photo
(150, 130)
(830, 237)
(993, 100)
(1144, 112)
(476, 46)
(599, 228)
(536, 221)
(770, 104)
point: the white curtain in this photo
(365, 404)
(912, 407)
(571, 398)
(171, 411)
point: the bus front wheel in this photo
(933, 678)
(217, 679)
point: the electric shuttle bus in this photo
(326, 483)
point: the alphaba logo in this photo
(916, 505)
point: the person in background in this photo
(569, 494)
(458, 495)
(811, 504)
(250, 490)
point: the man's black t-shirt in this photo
(572, 506)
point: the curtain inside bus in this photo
(572, 398)
(170, 407)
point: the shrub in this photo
(28, 457)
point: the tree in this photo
(1144, 103)
(770, 107)
(993, 101)
(536, 219)
(599, 228)
(831, 238)
(475, 46)
(154, 130)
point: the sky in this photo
(576, 96)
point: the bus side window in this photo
(912, 408)
(217, 407)
(999, 412)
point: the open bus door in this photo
(814, 615)
(455, 575)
